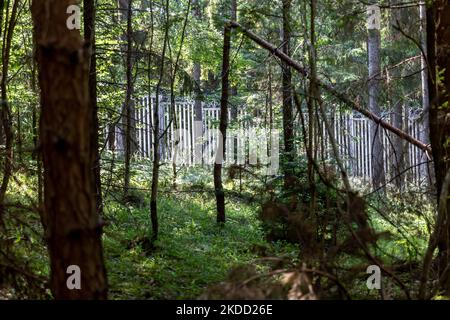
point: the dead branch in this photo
(328, 87)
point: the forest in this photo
(225, 150)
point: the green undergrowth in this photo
(192, 251)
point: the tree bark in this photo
(197, 71)
(398, 158)
(157, 135)
(128, 98)
(198, 112)
(5, 112)
(425, 133)
(313, 97)
(220, 195)
(174, 71)
(73, 225)
(373, 51)
(89, 36)
(438, 34)
(288, 121)
(233, 92)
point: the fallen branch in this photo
(328, 87)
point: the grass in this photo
(192, 253)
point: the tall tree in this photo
(5, 111)
(438, 34)
(73, 227)
(157, 132)
(373, 52)
(128, 114)
(396, 97)
(234, 89)
(425, 134)
(218, 186)
(313, 95)
(197, 73)
(288, 119)
(89, 36)
(173, 74)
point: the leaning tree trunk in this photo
(220, 195)
(73, 226)
(328, 87)
(438, 33)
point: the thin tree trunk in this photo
(36, 143)
(128, 97)
(5, 112)
(288, 124)
(198, 112)
(373, 52)
(172, 97)
(234, 92)
(397, 159)
(89, 36)
(196, 72)
(157, 135)
(73, 225)
(220, 195)
(312, 104)
(425, 132)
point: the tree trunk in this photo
(73, 226)
(438, 34)
(288, 121)
(220, 195)
(157, 135)
(35, 128)
(196, 73)
(426, 171)
(395, 102)
(128, 96)
(373, 50)
(312, 104)
(174, 71)
(89, 36)
(5, 112)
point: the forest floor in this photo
(192, 252)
